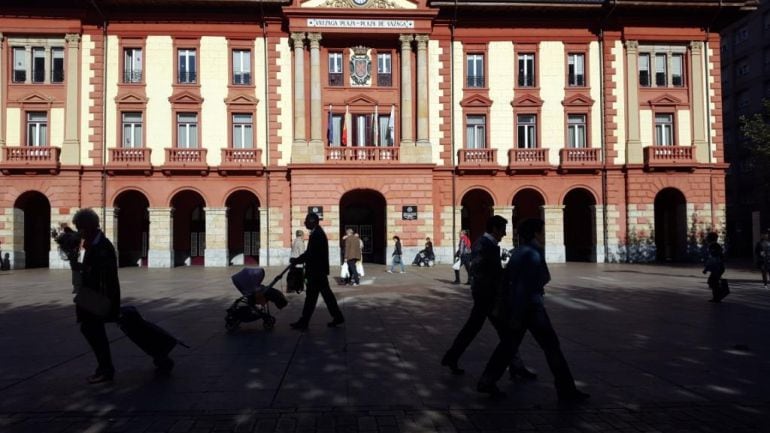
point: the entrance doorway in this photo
(133, 228)
(670, 225)
(527, 203)
(477, 207)
(35, 217)
(189, 228)
(579, 226)
(243, 222)
(363, 210)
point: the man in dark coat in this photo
(99, 273)
(316, 260)
(487, 276)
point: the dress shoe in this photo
(491, 389)
(100, 378)
(452, 364)
(299, 324)
(336, 322)
(574, 396)
(523, 373)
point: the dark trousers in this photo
(535, 321)
(353, 271)
(93, 331)
(316, 285)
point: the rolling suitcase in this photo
(151, 338)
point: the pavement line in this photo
(286, 370)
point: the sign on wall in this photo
(318, 210)
(360, 24)
(409, 213)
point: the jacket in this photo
(397, 249)
(99, 272)
(352, 247)
(297, 247)
(524, 283)
(316, 256)
(486, 270)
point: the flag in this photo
(329, 125)
(344, 137)
(391, 126)
(375, 128)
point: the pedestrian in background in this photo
(762, 255)
(353, 255)
(715, 266)
(463, 254)
(396, 256)
(298, 244)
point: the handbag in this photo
(360, 268)
(93, 302)
(396, 259)
(344, 273)
(456, 265)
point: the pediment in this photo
(360, 4)
(476, 101)
(130, 98)
(35, 98)
(665, 100)
(579, 100)
(241, 100)
(527, 100)
(360, 99)
(185, 97)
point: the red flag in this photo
(344, 138)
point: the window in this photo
(243, 136)
(384, 74)
(187, 66)
(37, 128)
(38, 65)
(664, 129)
(57, 65)
(660, 70)
(19, 65)
(476, 132)
(677, 70)
(475, 71)
(241, 67)
(644, 70)
(741, 36)
(132, 129)
(527, 137)
(385, 135)
(743, 68)
(335, 130)
(526, 70)
(576, 70)
(362, 130)
(187, 130)
(335, 69)
(132, 65)
(576, 128)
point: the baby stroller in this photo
(422, 259)
(254, 304)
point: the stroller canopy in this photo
(248, 280)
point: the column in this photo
(47, 65)
(597, 213)
(18, 255)
(633, 141)
(554, 233)
(299, 88)
(28, 59)
(316, 110)
(110, 224)
(160, 253)
(216, 252)
(423, 135)
(264, 232)
(699, 102)
(2, 95)
(407, 137)
(70, 153)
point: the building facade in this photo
(204, 131)
(745, 83)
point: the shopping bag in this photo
(344, 273)
(456, 265)
(360, 268)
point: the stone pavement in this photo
(655, 356)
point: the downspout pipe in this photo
(452, 123)
(105, 47)
(603, 110)
(267, 136)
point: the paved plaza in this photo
(641, 339)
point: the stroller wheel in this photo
(268, 322)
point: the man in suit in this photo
(487, 275)
(316, 260)
(99, 272)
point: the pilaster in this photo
(407, 136)
(597, 233)
(298, 40)
(160, 253)
(423, 135)
(216, 254)
(70, 153)
(316, 111)
(633, 141)
(554, 233)
(59, 216)
(698, 105)
(2, 92)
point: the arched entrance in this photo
(579, 226)
(189, 228)
(363, 210)
(670, 225)
(527, 203)
(477, 207)
(33, 213)
(133, 228)
(243, 228)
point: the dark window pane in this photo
(384, 80)
(475, 81)
(335, 79)
(57, 75)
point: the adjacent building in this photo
(204, 131)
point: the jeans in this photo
(396, 261)
(353, 271)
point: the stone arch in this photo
(133, 226)
(243, 227)
(189, 227)
(477, 205)
(32, 231)
(670, 225)
(364, 210)
(580, 234)
(527, 202)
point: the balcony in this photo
(241, 161)
(477, 159)
(531, 159)
(129, 159)
(30, 159)
(668, 157)
(580, 158)
(361, 154)
(182, 159)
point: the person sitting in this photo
(425, 257)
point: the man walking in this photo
(487, 275)
(316, 260)
(523, 310)
(352, 255)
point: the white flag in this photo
(391, 126)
